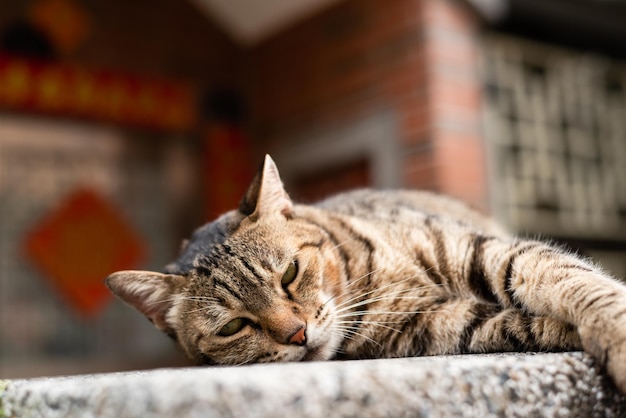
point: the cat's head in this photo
(256, 285)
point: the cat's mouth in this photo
(313, 354)
(321, 344)
(321, 350)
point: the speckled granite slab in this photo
(505, 385)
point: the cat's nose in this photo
(299, 337)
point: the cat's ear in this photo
(151, 293)
(266, 194)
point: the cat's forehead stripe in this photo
(226, 285)
(243, 260)
(225, 258)
(232, 277)
(309, 244)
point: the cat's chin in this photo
(322, 346)
(320, 352)
(314, 354)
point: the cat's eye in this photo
(290, 274)
(232, 327)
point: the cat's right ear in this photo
(151, 293)
(266, 194)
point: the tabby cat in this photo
(372, 274)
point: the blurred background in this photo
(125, 124)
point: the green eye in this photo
(232, 327)
(290, 274)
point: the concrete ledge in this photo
(511, 385)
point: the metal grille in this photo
(556, 125)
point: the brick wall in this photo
(357, 58)
(454, 88)
(414, 58)
(165, 37)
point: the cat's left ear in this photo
(149, 292)
(266, 194)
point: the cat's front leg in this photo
(546, 281)
(513, 330)
(602, 323)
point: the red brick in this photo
(454, 55)
(448, 15)
(462, 169)
(320, 74)
(420, 171)
(414, 124)
(455, 95)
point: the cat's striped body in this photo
(372, 274)
(441, 271)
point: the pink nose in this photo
(299, 338)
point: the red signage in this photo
(227, 168)
(104, 95)
(81, 242)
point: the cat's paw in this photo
(609, 351)
(616, 364)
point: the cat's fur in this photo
(378, 274)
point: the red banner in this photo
(96, 94)
(228, 168)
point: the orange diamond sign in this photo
(81, 242)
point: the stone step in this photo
(482, 386)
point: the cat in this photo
(373, 274)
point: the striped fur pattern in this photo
(373, 274)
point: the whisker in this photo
(360, 313)
(395, 295)
(344, 335)
(242, 363)
(342, 243)
(353, 331)
(390, 284)
(369, 323)
(387, 295)
(349, 309)
(386, 287)
(354, 282)
(364, 294)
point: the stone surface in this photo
(500, 385)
